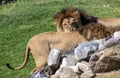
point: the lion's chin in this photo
(71, 30)
(68, 31)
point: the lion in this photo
(79, 19)
(41, 44)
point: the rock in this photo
(75, 69)
(84, 50)
(67, 62)
(65, 72)
(84, 66)
(69, 55)
(109, 59)
(110, 42)
(87, 74)
(54, 58)
(44, 73)
(70, 63)
(38, 75)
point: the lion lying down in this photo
(41, 44)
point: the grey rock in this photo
(38, 75)
(67, 62)
(75, 69)
(110, 42)
(44, 73)
(54, 58)
(69, 55)
(87, 74)
(65, 72)
(84, 66)
(84, 50)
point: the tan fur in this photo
(41, 44)
(114, 23)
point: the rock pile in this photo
(84, 61)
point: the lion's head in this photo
(72, 19)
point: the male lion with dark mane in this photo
(41, 44)
(72, 19)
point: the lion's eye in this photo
(64, 24)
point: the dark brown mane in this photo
(66, 12)
(95, 31)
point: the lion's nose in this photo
(75, 25)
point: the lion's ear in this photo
(76, 14)
(86, 18)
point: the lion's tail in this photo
(24, 63)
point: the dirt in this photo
(112, 74)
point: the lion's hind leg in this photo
(40, 58)
(39, 65)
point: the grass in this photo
(21, 20)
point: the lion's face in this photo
(70, 24)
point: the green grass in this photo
(21, 20)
